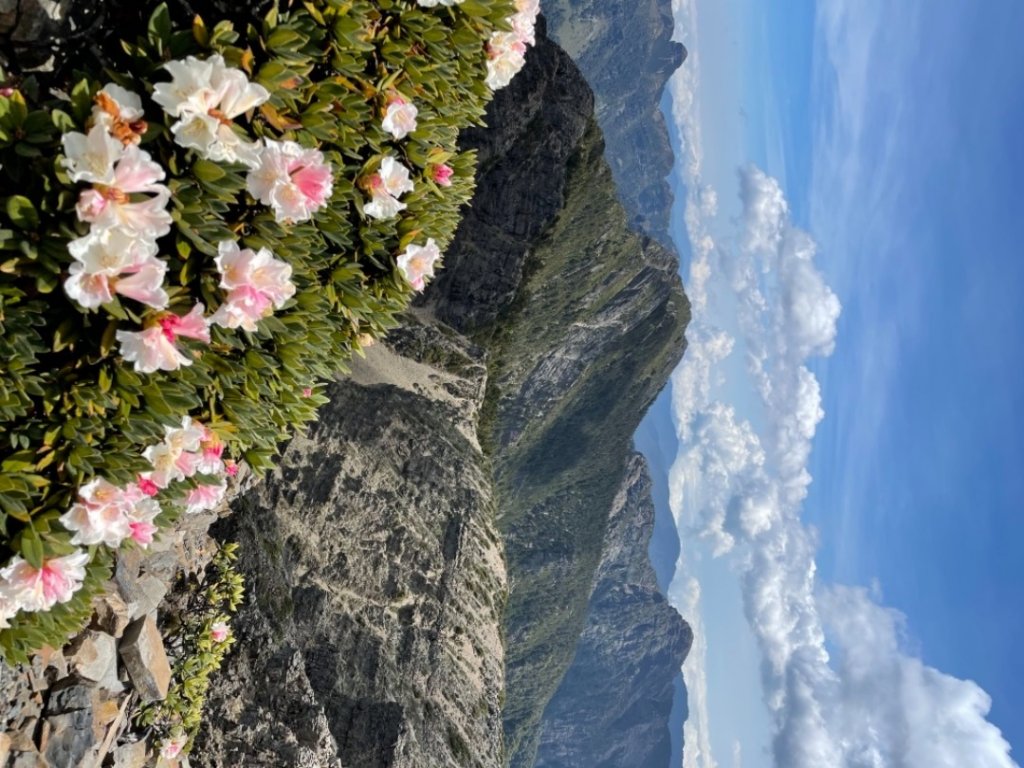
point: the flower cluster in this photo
(506, 51)
(201, 205)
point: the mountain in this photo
(624, 49)
(583, 320)
(611, 710)
(499, 417)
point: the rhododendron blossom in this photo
(293, 180)
(155, 349)
(151, 350)
(506, 55)
(391, 181)
(102, 257)
(219, 631)
(399, 117)
(141, 527)
(205, 497)
(109, 204)
(442, 174)
(8, 607)
(256, 282)
(176, 457)
(207, 96)
(211, 449)
(417, 263)
(100, 516)
(172, 747)
(39, 589)
(91, 157)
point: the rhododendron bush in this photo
(195, 235)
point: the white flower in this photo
(190, 91)
(39, 589)
(506, 55)
(293, 180)
(400, 118)
(417, 263)
(151, 350)
(385, 186)
(111, 251)
(207, 96)
(205, 497)
(91, 157)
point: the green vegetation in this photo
(559, 455)
(200, 641)
(72, 409)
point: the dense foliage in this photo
(190, 244)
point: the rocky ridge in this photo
(612, 707)
(625, 50)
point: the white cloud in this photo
(740, 482)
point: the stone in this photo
(72, 738)
(5, 748)
(130, 755)
(28, 760)
(24, 739)
(111, 614)
(146, 595)
(71, 695)
(93, 656)
(142, 651)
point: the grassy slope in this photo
(559, 460)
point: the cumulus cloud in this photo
(739, 482)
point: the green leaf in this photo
(159, 28)
(22, 212)
(32, 547)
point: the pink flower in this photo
(210, 451)
(307, 391)
(442, 174)
(39, 589)
(109, 203)
(294, 181)
(140, 521)
(219, 631)
(151, 350)
(417, 263)
(103, 257)
(231, 468)
(386, 186)
(99, 516)
(190, 326)
(256, 283)
(399, 117)
(177, 456)
(173, 746)
(147, 486)
(205, 497)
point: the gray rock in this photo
(111, 613)
(93, 656)
(142, 651)
(130, 755)
(71, 738)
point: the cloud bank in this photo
(840, 687)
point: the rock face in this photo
(625, 50)
(536, 125)
(371, 635)
(612, 708)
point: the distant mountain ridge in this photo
(625, 50)
(611, 708)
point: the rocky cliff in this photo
(612, 708)
(624, 49)
(371, 634)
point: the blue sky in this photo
(890, 135)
